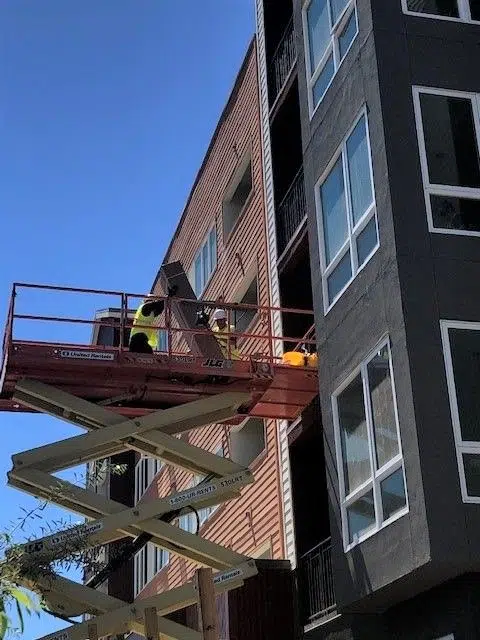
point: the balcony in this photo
(290, 212)
(282, 62)
(315, 581)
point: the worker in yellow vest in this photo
(227, 344)
(144, 338)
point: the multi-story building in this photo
(221, 243)
(379, 103)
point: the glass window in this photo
(450, 157)
(371, 466)
(205, 263)
(330, 28)
(462, 360)
(347, 213)
(447, 8)
(237, 196)
(464, 10)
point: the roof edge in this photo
(225, 112)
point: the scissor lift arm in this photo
(109, 434)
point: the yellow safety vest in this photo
(222, 338)
(149, 326)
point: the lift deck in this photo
(144, 382)
(115, 397)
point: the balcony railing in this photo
(315, 576)
(290, 212)
(282, 61)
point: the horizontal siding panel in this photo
(254, 518)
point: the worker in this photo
(227, 344)
(144, 338)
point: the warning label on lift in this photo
(228, 575)
(194, 493)
(86, 355)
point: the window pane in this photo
(393, 494)
(361, 516)
(471, 464)
(323, 80)
(213, 249)
(465, 349)
(367, 241)
(318, 31)
(354, 435)
(359, 171)
(198, 276)
(447, 8)
(450, 141)
(334, 211)
(349, 32)
(383, 413)
(475, 9)
(337, 6)
(339, 277)
(205, 263)
(455, 213)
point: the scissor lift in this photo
(114, 395)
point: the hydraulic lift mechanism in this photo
(39, 377)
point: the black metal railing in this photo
(315, 582)
(290, 212)
(282, 61)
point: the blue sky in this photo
(106, 110)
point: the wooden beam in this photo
(151, 624)
(207, 610)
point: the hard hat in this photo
(219, 314)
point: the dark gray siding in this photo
(439, 273)
(368, 310)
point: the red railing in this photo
(258, 344)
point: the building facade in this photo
(221, 243)
(378, 102)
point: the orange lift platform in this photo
(134, 384)
(140, 402)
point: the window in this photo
(244, 317)
(461, 347)
(145, 471)
(237, 196)
(147, 563)
(329, 28)
(247, 441)
(347, 221)
(162, 340)
(370, 462)
(448, 136)
(204, 263)
(464, 10)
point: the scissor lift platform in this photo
(140, 402)
(133, 384)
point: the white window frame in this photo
(353, 230)
(461, 446)
(199, 253)
(151, 467)
(463, 12)
(438, 189)
(377, 476)
(342, 20)
(141, 577)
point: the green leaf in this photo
(4, 624)
(22, 599)
(20, 616)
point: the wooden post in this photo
(207, 610)
(92, 632)
(151, 624)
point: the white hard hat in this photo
(219, 314)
